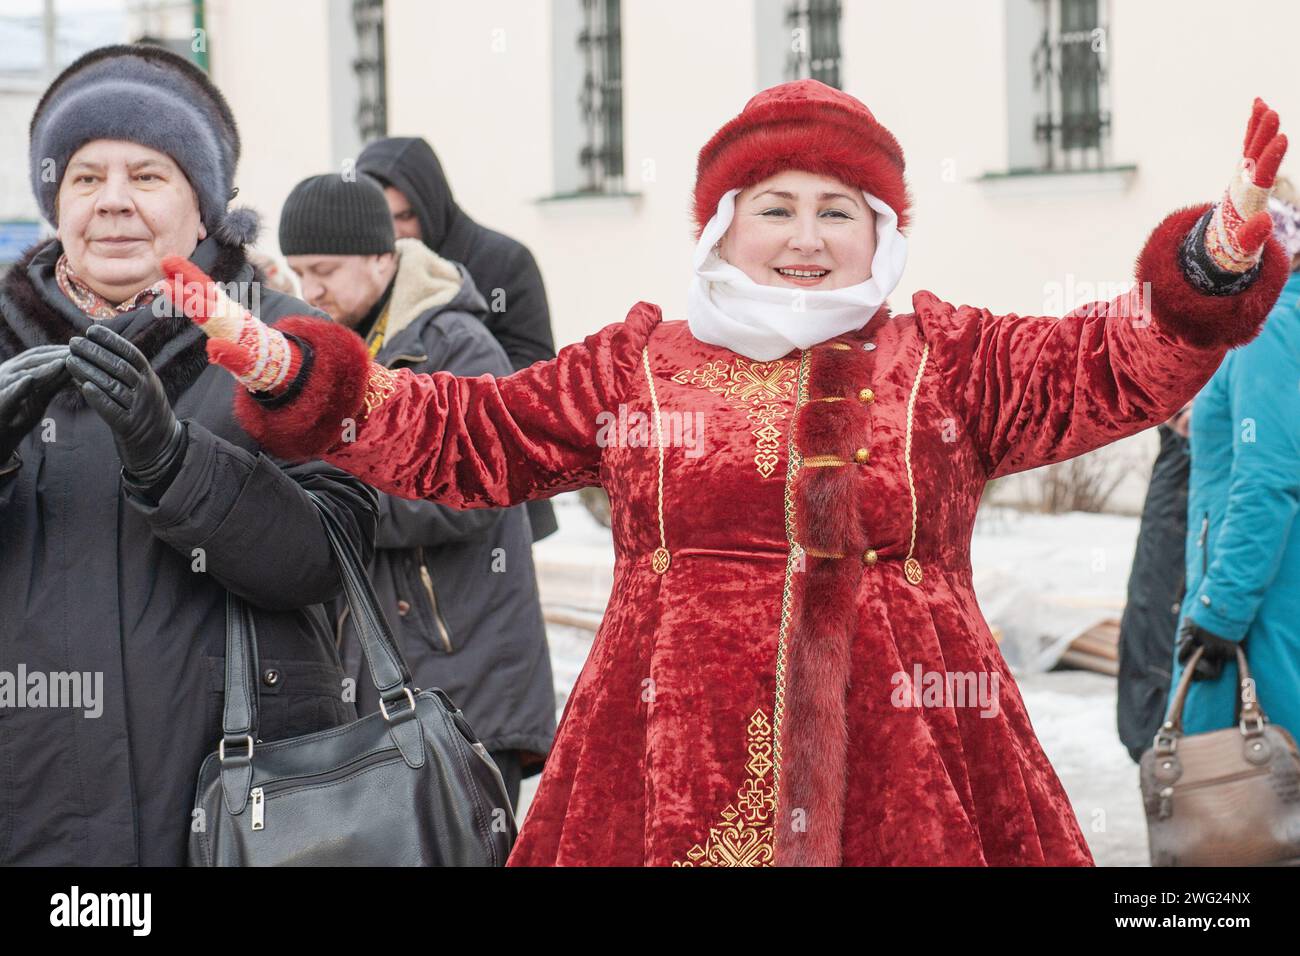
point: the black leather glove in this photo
(118, 383)
(1218, 650)
(27, 382)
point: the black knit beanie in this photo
(330, 215)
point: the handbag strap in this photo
(240, 711)
(384, 658)
(387, 667)
(1252, 715)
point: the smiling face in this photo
(801, 230)
(121, 207)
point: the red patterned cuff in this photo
(311, 415)
(1184, 309)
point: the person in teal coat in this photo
(1243, 533)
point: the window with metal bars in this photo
(371, 69)
(600, 42)
(1070, 74)
(815, 41)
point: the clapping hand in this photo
(27, 382)
(124, 390)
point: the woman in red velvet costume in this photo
(751, 694)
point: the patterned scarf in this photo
(375, 341)
(91, 302)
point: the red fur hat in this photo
(803, 125)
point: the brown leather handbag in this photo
(1227, 797)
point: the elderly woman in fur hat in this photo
(793, 668)
(130, 499)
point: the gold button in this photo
(866, 395)
(869, 557)
(861, 456)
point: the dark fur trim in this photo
(239, 227)
(157, 55)
(839, 371)
(334, 391)
(147, 95)
(832, 428)
(1206, 321)
(25, 309)
(832, 495)
(815, 726)
(828, 510)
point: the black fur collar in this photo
(175, 347)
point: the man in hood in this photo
(458, 586)
(422, 207)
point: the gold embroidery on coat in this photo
(744, 836)
(380, 383)
(761, 388)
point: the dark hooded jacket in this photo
(1155, 590)
(458, 586)
(504, 270)
(95, 578)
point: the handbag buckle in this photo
(1165, 744)
(1256, 728)
(221, 749)
(410, 698)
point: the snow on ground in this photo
(1038, 578)
(1073, 713)
(1044, 579)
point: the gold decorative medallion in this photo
(912, 569)
(761, 389)
(660, 560)
(744, 835)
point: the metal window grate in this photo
(815, 41)
(1070, 69)
(371, 68)
(601, 99)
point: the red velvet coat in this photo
(744, 705)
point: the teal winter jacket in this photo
(1243, 544)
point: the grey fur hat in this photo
(148, 95)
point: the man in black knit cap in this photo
(458, 586)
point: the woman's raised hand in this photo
(258, 355)
(1241, 224)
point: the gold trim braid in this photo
(794, 564)
(661, 558)
(912, 567)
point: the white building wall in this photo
(271, 60)
(476, 80)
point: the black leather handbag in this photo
(408, 786)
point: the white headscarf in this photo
(764, 322)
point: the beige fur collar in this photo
(424, 280)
